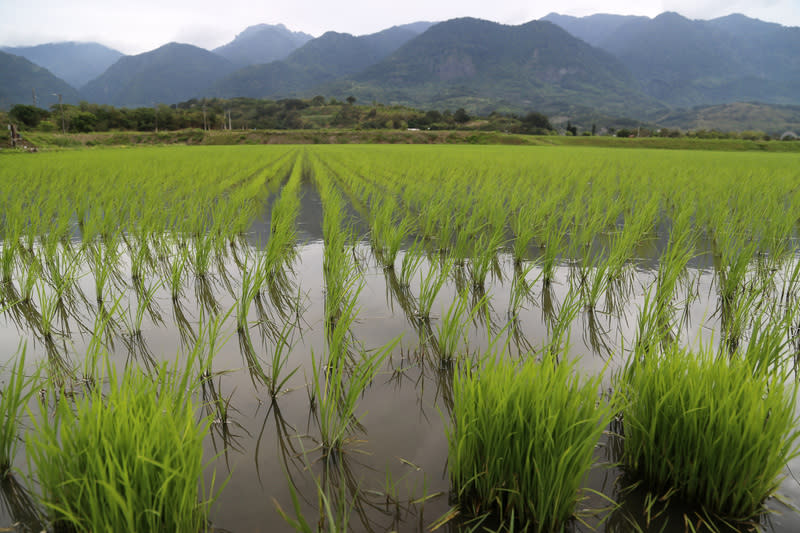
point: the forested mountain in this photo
(19, 78)
(262, 43)
(75, 63)
(481, 64)
(169, 74)
(320, 60)
(686, 62)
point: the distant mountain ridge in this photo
(172, 73)
(324, 59)
(685, 62)
(75, 63)
(262, 43)
(20, 78)
(480, 64)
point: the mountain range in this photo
(638, 67)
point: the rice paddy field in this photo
(399, 338)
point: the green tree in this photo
(27, 115)
(461, 116)
(81, 121)
(535, 123)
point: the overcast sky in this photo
(136, 26)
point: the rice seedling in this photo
(560, 327)
(411, 262)
(18, 389)
(451, 329)
(430, 283)
(176, 271)
(707, 428)
(523, 225)
(389, 231)
(128, 459)
(30, 276)
(522, 439)
(339, 388)
(277, 378)
(49, 306)
(484, 256)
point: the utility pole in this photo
(230, 121)
(33, 91)
(155, 114)
(61, 107)
(205, 121)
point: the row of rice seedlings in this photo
(522, 439)
(657, 320)
(129, 458)
(638, 224)
(135, 206)
(278, 260)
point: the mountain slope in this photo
(75, 63)
(19, 76)
(686, 62)
(320, 60)
(740, 116)
(169, 74)
(262, 43)
(483, 64)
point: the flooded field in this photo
(327, 300)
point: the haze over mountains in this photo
(612, 64)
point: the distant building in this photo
(789, 136)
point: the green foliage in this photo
(17, 390)
(523, 437)
(708, 428)
(127, 459)
(28, 115)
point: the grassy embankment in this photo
(48, 141)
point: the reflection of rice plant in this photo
(522, 439)
(707, 428)
(129, 459)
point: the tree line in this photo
(250, 113)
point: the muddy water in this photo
(392, 473)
